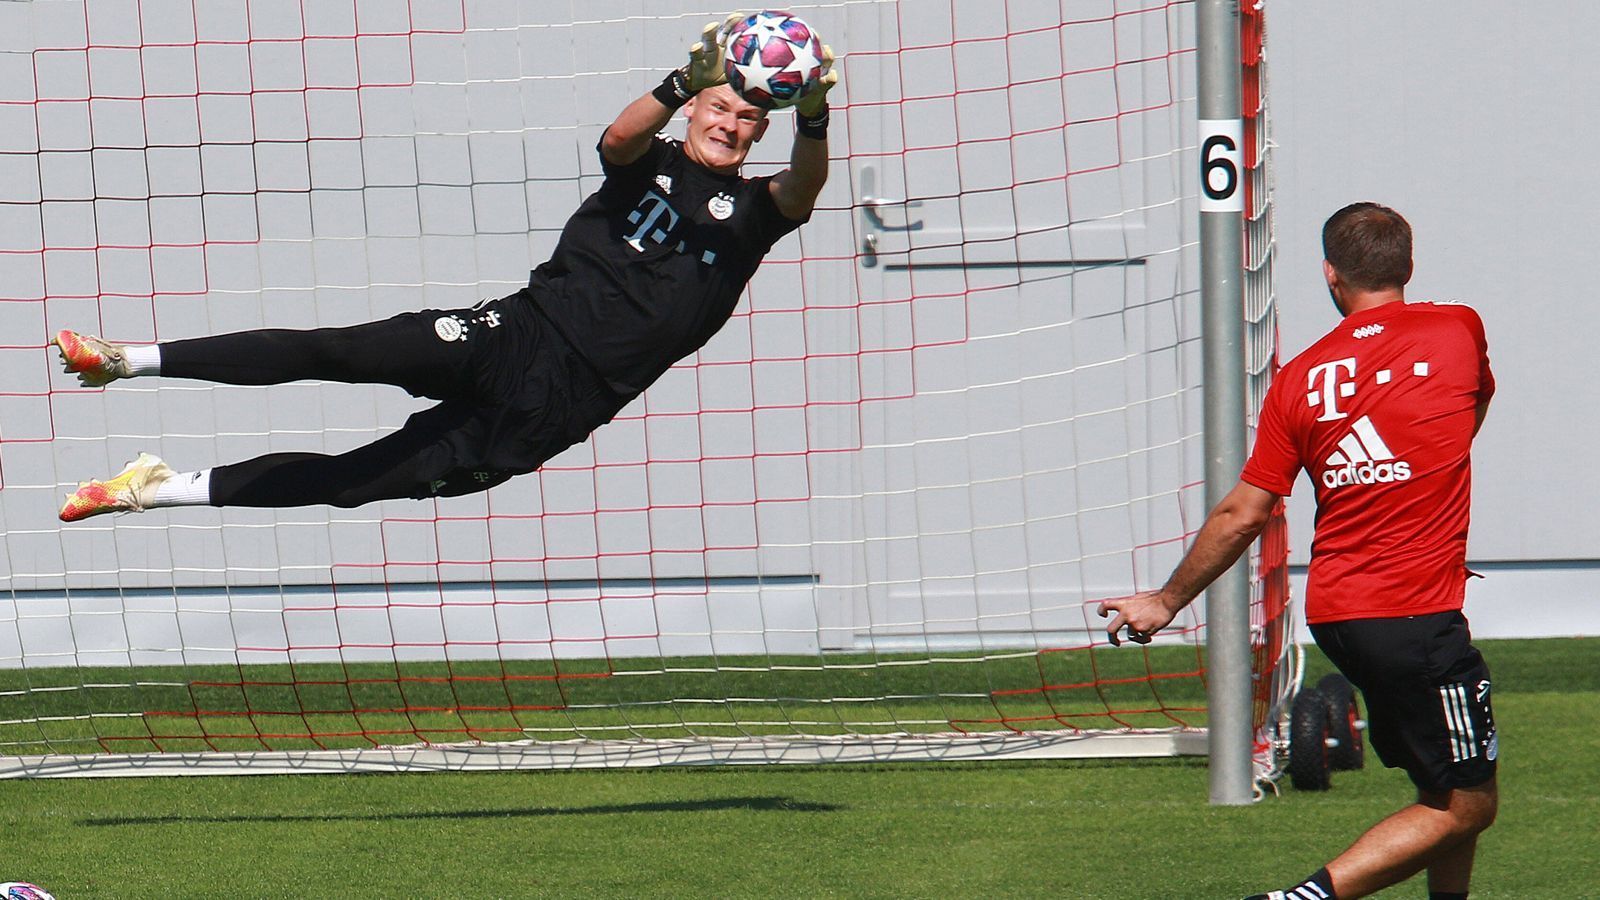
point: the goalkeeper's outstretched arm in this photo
(796, 188)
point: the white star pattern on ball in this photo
(758, 73)
(806, 59)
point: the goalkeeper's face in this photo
(722, 128)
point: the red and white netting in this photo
(870, 519)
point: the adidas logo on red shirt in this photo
(1363, 458)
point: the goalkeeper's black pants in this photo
(513, 394)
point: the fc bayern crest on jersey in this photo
(720, 207)
(448, 328)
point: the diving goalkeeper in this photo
(645, 272)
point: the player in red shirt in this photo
(1381, 413)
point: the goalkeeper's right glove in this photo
(706, 56)
(704, 69)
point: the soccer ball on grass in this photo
(21, 890)
(773, 58)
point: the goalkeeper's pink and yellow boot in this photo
(96, 362)
(131, 490)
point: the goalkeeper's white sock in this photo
(143, 359)
(185, 489)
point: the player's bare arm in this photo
(795, 189)
(1228, 530)
(629, 136)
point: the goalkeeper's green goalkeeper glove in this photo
(815, 103)
(704, 69)
(706, 60)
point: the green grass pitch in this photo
(1061, 829)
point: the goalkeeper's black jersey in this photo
(652, 264)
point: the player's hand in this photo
(705, 68)
(1142, 614)
(811, 104)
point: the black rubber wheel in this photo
(1343, 712)
(1308, 741)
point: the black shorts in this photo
(534, 396)
(512, 394)
(1427, 695)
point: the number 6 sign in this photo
(1220, 164)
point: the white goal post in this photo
(869, 521)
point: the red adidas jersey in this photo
(1380, 413)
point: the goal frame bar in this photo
(621, 754)
(1228, 690)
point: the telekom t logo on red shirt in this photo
(1325, 385)
(1362, 457)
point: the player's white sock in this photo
(185, 489)
(143, 359)
(1318, 887)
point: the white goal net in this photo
(869, 520)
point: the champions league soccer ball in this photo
(21, 890)
(773, 59)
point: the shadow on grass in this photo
(753, 804)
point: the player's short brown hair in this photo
(1369, 245)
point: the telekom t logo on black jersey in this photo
(655, 218)
(647, 215)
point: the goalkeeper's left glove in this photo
(812, 109)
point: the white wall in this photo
(1477, 120)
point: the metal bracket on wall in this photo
(872, 219)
